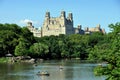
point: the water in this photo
(72, 70)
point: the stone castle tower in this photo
(57, 25)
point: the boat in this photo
(60, 67)
(43, 73)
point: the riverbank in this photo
(28, 59)
(4, 60)
(17, 59)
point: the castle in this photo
(60, 25)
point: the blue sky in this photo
(88, 13)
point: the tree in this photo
(9, 34)
(113, 58)
(54, 48)
(112, 70)
(8, 41)
(39, 50)
(12, 35)
(95, 38)
(98, 52)
(76, 45)
(27, 36)
(21, 49)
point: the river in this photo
(72, 70)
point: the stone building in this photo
(36, 32)
(88, 30)
(57, 25)
(94, 29)
(60, 25)
(79, 30)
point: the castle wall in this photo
(52, 30)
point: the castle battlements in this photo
(57, 25)
(60, 25)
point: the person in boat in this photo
(43, 73)
(61, 67)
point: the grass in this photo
(4, 60)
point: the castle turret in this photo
(30, 26)
(29, 23)
(98, 26)
(86, 29)
(63, 14)
(77, 30)
(79, 27)
(47, 15)
(70, 16)
(47, 18)
(63, 18)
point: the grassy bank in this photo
(4, 60)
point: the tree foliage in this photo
(11, 36)
(21, 49)
(113, 57)
(39, 49)
(110, 53)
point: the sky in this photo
(87, 13)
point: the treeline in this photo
(67, 46)
(19, 41)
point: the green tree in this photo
(28, 36)
(98, 52)
(9, 34)
(53, 44)
(95, 38)
(21, 49)
(113, 58)
(39, 50)
(76, 45)
(112, 55)
(8, 41)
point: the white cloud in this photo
(27, 20)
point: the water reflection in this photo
(71, 71)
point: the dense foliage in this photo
(12, 38)
(19, 41)
(109, 53)
(112, 70)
